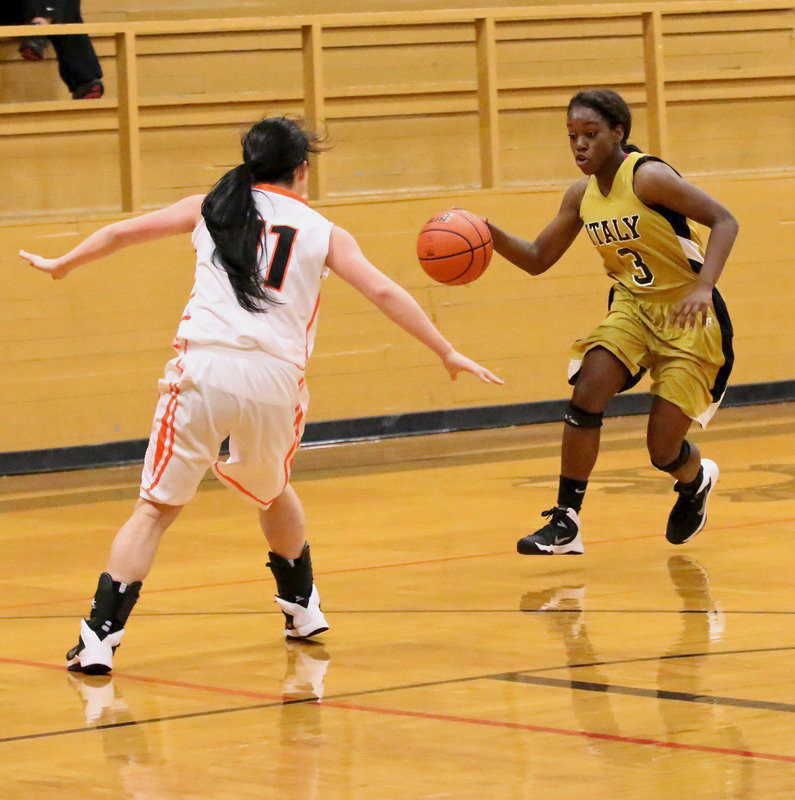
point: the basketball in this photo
(454, 247)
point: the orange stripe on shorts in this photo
(165, 438)
(290, 457)
(265, 503)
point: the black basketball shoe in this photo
(560, 535)
(689, 514)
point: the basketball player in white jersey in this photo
(242, 347)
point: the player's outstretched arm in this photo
(658, 184)
(537, 257)
(181, 217)
(346, 259)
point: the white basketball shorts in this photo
(207, 394)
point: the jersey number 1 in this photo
(277, 269)
(644, 276)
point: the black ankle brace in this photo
(293, 576)
(678, 462)
(113, 603)
(580, 418)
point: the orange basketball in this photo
(454, 247)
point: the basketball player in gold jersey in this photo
(665, 314)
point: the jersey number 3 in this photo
(277, 269)
(643, 275)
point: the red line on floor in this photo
(395, 712)
(405, 563)
(18, 662)
(610, 737)
(199, 687)
(156, 681)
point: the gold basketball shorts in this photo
(689, 368)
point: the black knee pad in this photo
(678, 462)
(580, 418)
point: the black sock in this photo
(571, 493)
(692, 487)
(113, 603)
(293, 576)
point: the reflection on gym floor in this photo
(684, 703)
(132, 746)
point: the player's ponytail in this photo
(272, 151)
(612, 107)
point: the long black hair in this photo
(613, 109)
(272, 151)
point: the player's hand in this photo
(454, 363)
(696, 304)
(50, 266)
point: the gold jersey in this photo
(653, 251)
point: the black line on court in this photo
(664, 657)
(634, 691)
(366, 692)
(431, 611)
(150, 720)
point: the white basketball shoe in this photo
(303, 618)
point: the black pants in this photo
(77, 61)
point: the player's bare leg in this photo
(291, 563)
(695, 476)
(284, 524)
(135, 545)
(601, 376)
(131, 556)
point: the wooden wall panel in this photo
(412, 153)
(581, 61)
(97, 10)
(728, 51)
(202, 72)
(401, 104)
(376, 155)
(179, 162)
(79, 359)
(732, 135)
(59, 170)
(399, 64)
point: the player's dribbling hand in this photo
(694, 305)
(51, 266)
(454, 363)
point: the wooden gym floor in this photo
(454, 667)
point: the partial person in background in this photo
(242, 346)
(78, 64)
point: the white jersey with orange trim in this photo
(292, 265)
